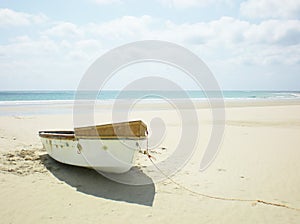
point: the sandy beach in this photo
(257, 166)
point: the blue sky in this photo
(248, 45)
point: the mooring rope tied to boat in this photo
(254, 201)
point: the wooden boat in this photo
(108, 148)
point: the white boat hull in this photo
(107, 155)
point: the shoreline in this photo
(66, 107)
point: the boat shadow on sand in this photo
(90, 182)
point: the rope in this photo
(254, 201)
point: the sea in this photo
(17, 99)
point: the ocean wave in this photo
(35, 102)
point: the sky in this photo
(248, 45)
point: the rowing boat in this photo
(108, 148)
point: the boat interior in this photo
(57, 134)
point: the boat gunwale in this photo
(95, 132)
(71, 136)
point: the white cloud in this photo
(63, 29)
(237, 41)
(271, 9)
(24, 46)
(106, 2)
(56, 62)
(271, 41)
(45, 49)
(128, 27)
(9, 17)
(274, 32)
(66, 48)
(86, 50)
(225, 30)
(192, 3)
(174, 3)
(226, 38)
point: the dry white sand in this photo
(258, 160)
